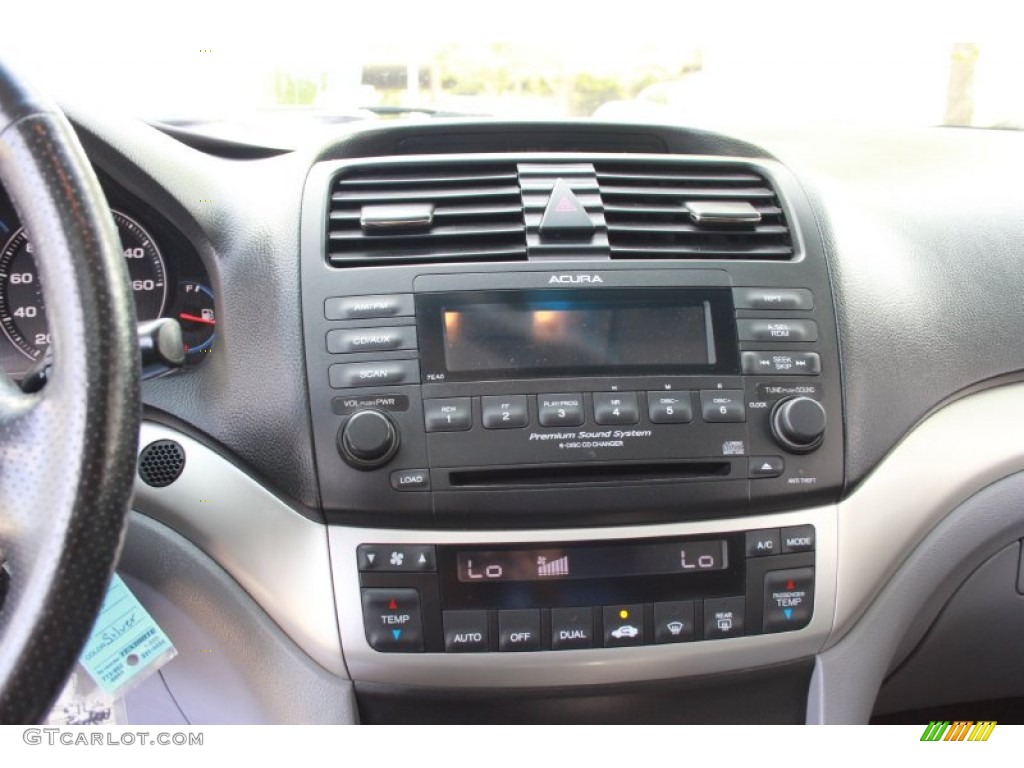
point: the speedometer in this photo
(22, 312)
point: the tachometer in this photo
(22, 312)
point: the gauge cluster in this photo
(167, 280)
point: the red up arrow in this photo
(789, 585)
(393, 606)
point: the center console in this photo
(569, 466)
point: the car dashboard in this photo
(574, 422)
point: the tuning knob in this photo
(798, 424)
(368, 439)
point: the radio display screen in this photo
(537, 334)
(592, 562)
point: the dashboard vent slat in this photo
(477, 214)
(646, 210)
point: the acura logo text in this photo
(575, 279)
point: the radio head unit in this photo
(569, 389)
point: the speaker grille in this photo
(161, 463)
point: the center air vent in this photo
(433, 212)
(660, 210)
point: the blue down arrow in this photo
(787, 611)
(397, 632)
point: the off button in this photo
(519, 630)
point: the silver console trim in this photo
(278, 556)
(951, 455)
(600, 665)
(285, 560)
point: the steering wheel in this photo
(67, 453)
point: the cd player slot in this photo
(596, 474)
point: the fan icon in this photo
(397, 558)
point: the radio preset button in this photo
(723, 617)
(504, 412)
(572, 628)
(371, 339)
(616, 408)
(347, 375)
(722, 405)
(782, 363)
(777, 330)
(623, 625)
(669, 407)
(519, 630)
(362, 307)
(465, 631)
(453, 414)
(772, 298)
(391, 618)
(560, 410)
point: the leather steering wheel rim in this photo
(67, 453)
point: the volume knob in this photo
(798, 424)
(368, 439)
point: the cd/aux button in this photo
(371, 339)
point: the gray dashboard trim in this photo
(279, 556)
(949, 457)
(234, 664)
(848, 675)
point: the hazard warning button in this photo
(565, 218)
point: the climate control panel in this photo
(512, 598)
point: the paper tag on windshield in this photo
(126, 645)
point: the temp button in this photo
(788, 599)
(391, 618)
